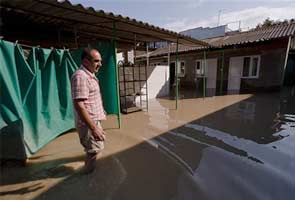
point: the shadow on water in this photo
(244, 151)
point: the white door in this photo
(234, 75)
(211, 74)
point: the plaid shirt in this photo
(85, 86)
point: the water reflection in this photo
(230, 147)
(245, 151)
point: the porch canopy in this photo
(50, 23)
(86, 23)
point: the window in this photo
(181, 69)
(200, 68)
(156, 64)
(255, 66)
(251, 66)
(246, 66)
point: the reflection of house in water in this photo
(254, 118)
(218, 156)
(244, 110)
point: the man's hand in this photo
(97, 131)
(98, 134)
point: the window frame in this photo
(179, 74)
(251, 67)
(203, 65)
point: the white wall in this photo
(130, 56)
(158, 81)
(120, 57)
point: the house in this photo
(201, 33)
(252, 61)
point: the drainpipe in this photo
(286, 61)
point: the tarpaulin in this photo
(36, 104)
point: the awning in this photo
(97, 23)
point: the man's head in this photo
(91, 59)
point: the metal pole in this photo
(176, 68)
(133, 75)
(146, 76)
(168, 54)
(221, 73)
(219, 13)
(240, 25)
(76, 37)
(169, 68)
(204, 76)
(117, 74)
(147, 55)
(134, 53)
(286, 61)
(59, 36)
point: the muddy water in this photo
(229, 147)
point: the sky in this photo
(179, 15)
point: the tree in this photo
(269, 22)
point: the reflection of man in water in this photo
(286, 114)
(88, 106)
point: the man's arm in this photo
(97, 132)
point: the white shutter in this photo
(211, 72)
(235, 73)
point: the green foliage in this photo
(270, 22)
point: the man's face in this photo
(94, 63)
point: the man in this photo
(88, 106)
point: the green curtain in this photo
(106, 75)
(36, 103)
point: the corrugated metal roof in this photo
(171, 49)
(262, 34)
(97, 21)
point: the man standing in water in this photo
(88, 106)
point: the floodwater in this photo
(226, 147)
